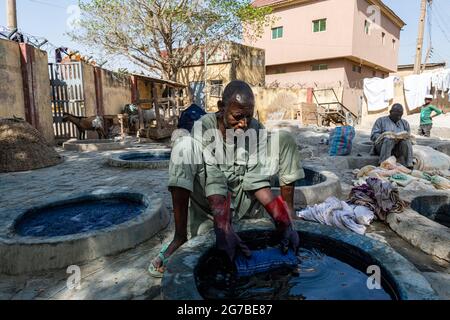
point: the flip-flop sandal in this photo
(154, 272)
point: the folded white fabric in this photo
(336, 213)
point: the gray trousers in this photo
(425, 129)
(402, 150)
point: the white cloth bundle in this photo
(334, 212)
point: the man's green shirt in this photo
(425, 114)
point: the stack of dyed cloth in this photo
(414, 180)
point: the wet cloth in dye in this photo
(263, 261)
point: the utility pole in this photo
(423, 12)
(11, 14)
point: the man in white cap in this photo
(426, 122)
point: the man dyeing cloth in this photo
(204, 190)
(391, 137)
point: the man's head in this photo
(428, 99)
(237, 105)
(396, 112)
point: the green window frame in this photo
(320, 25)
(277, 32)
(318, 67)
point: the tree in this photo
(162, 36)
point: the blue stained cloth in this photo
(263, 261)
(189, 116)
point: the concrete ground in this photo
(125, 276)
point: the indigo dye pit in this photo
(321, 275)
(434, 207)
(146, 156)
(78, 217)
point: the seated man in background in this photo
(391, 137)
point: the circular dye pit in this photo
(443, 147)
(334, 264)
(315, 188)
(154, 159)
(94, 145)
(64, 232)
(434, 207)
(320, 275)
(79, 217)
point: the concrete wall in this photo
(251, 65)
(90, 100)
(301, 74)
(278, 103)
(116, 92)
(12, 95)
(42, 94)
(11, 85)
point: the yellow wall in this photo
(116, 92)
(12, 102)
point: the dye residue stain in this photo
(319, 277)
(78, 218)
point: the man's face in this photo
(237, 116)
(396, 115)
(427, 101)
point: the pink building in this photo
(329, 42)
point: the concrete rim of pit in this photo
(21, 255)
(422, 232)
(116, 161)
(94, 145)
(317, 193)
(179, 283)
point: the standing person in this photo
(426, 122)
(204, 190)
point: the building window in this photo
(374, 74)
(383, 38)
(277, 32)
(367, 26)
(320, 25)
(317, 67)
(216, 88)
(357, 69)
(393, 43)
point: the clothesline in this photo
(379, 92)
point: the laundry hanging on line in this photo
(379, 92)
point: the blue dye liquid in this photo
(318, 277)
(146, 157)
(78, 218)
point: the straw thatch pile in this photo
(23, 148)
